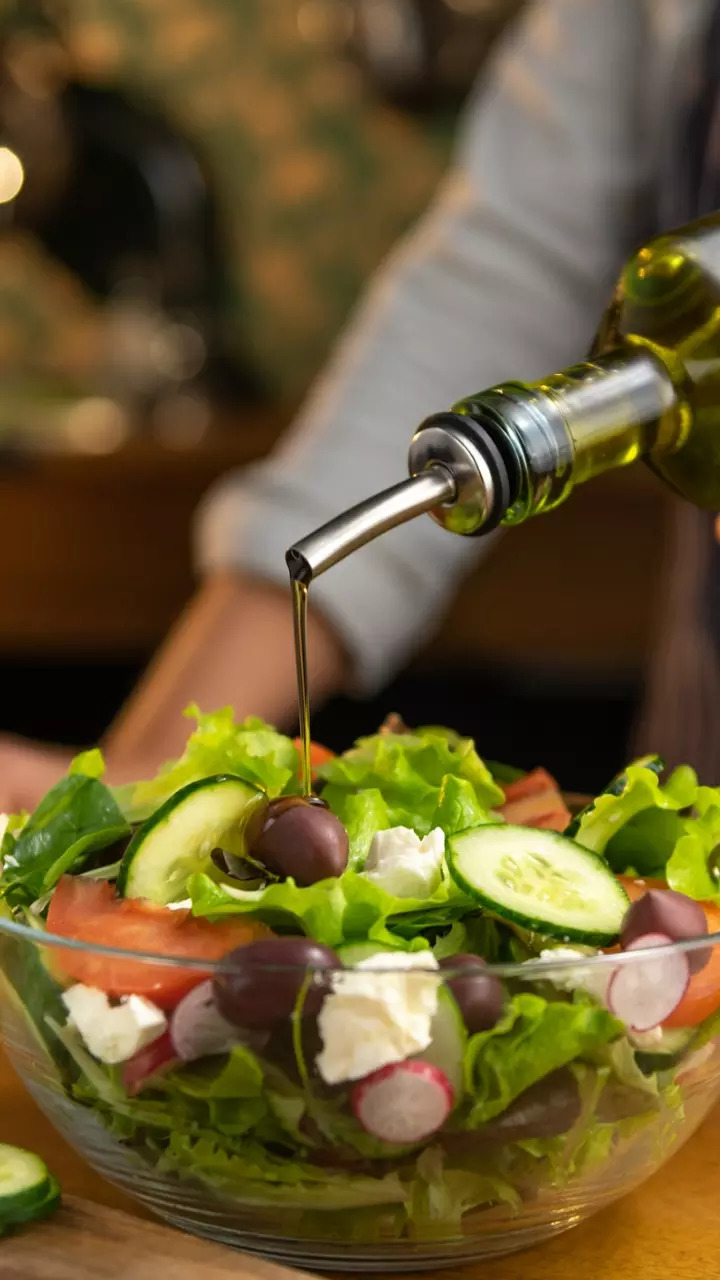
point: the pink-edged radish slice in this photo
(403, 1102)
(148, 1063)
(643, 994)
(198, 1029)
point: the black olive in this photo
(671, 913)
(260, 984)
(301, 838)
(479, 994)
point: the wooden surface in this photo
(87, 1242)
(669, 1228)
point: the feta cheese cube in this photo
(113, 1033)
(403, 864)
(377, 1013)
(586, 977)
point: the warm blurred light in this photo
(325, 22)
(96, 425)
(12, 175)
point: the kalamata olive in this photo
(260, 984)
(301, 838)
(671, 913)
(545, 1110)
(479, 994)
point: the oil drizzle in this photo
(300, 601)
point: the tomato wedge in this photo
(318, 753)
(535, 801)
(702, 997)
(88, 911)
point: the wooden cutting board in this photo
(86, 1241)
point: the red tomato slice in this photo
(318, 754)
(88, 911)
(535, 801)
(531, 784)
(702, 997)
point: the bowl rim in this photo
(538, 967)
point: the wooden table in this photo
(669, 1228)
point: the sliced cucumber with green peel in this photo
(27, 1189)
(355, 952)
(665, 1053)
(541, 880)
(447, 1046)
(179, 839)
(655, 764)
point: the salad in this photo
(373, 1005)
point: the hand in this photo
(27, 771)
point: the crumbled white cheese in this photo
(377, 1013)
(113, 1033)
(403, 864)
(594, 980)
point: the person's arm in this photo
(505, 277)
(233, 645)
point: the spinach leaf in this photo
(78, 817)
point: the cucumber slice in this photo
(665, 1053)
(26, 1186)
(447, 1046)
(541, 880)
(180, 837)
(355, 952)
(655, 764)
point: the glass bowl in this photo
(556, 1115)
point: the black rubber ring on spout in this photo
(506, 482)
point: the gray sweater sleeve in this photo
(505, 277)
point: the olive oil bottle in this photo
(649, 391)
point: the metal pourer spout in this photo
(358, 526)
(457, 474)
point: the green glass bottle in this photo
(650, 390)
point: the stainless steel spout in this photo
(328, 545)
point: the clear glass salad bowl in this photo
(604, 1109)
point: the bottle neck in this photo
(563, 430)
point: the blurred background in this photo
(192, 194)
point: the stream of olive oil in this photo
(300, 601)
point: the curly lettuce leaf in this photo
(362, 813)
(333, 912)
(636, 791)
(409, 770)
(475, 935)
(533, 1038)
(441, 1196)
(252, 750)
(690, 867)
(458, 807)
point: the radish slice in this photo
(645, 993)
(403, 1102)
(154, 1060)
(199, 1030)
